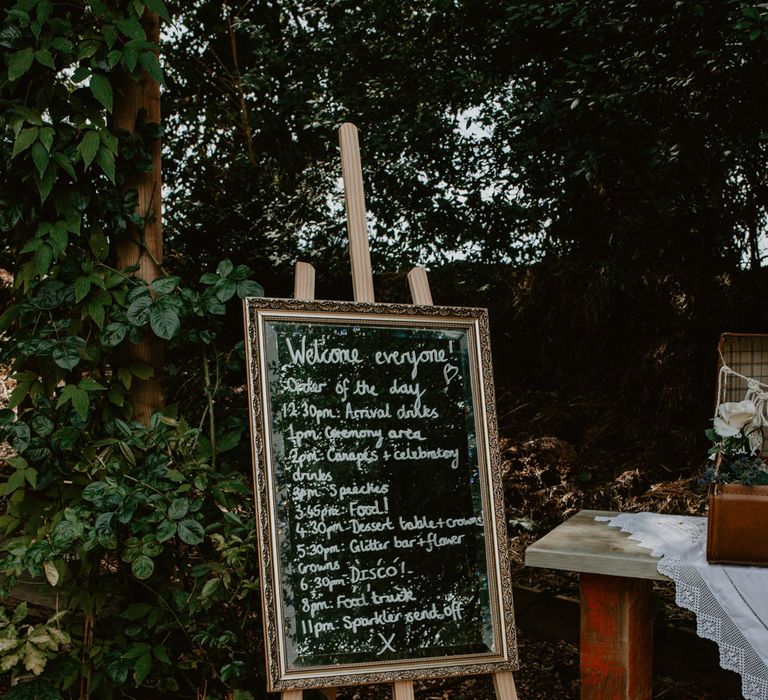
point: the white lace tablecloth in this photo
(730, 602)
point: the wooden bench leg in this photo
(616, 652)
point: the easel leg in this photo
(616, 652)
(330, 693)
(402, 690)
(504, 685)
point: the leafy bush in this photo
(144, 531)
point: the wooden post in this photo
(304, 282)
(354, 199)
(616, 638)
(143, 247)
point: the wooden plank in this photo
(420, 294)
(304, 289)
(419, 286)
(402, 690)
(616, 638)
(304, 282)
(585, 545)
(354, 199)
(504, 685)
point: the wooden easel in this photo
(362, 285)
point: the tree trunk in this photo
(143, 247)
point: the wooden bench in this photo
(616, 637)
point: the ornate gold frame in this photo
(257, 311)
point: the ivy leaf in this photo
(44, 58)
(141, 370)
(30, 474)
(105, 534)
(67, 353)
(48, 294)
(151, 64)
(164, 285)
(40, 157)
(64, 163)
(249, 288)
(158, 7)
(88, 147)
(151, 546)
(229, 440)
(42, 425)
(82, 287)
(90, 384)
(225, 267)
(138, 311)
(43, 258)
(24, 139)
(28, 114)
(19, 436)
(77, 396)
(101, 89)
(128, 60)
(117, 671)
(191, 532)
(45, 183)
(61, 44)
(98, 244)
(160, 653)
(225, 289)
(136, 611)
(165, 530)
(178, 509)
(20, 62)
(131, 28)
(113, 335)
(211, 586)
(58, 240)
(164, 321)
(106, 160)
(142, 567)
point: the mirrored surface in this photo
(377, 485)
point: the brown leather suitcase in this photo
(737, 524)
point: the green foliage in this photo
(146, 531)
(631, 135)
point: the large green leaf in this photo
(113, 334)
(142, 567)
(24, 139)
(68, 352)
(40, 157)
(249, 288)
(178, 509)
(89, 147)
(20, 62)
(138, 310)
(191, 532)
(102, 89)
(164, 321)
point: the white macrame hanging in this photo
(756, 392)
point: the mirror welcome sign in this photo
(381, 522)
